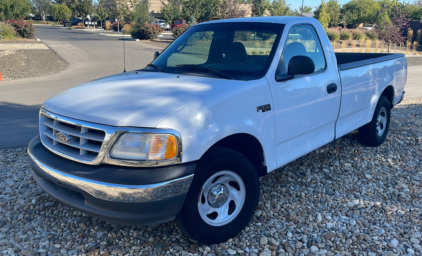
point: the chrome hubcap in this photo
(381, 121)
(221, 198)
(218, 195)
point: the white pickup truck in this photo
(190, 134)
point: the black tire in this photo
(368, 134)
(217, 160)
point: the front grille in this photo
(83, 143)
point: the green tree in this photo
(101, 11)
(71, 4)
(279, 8)
(140, 13)
(84, 8)
(209, 9)
(305, 9)
(361, 11)
(415, 10)
(258, 7)
(171, 10)
(334, 11)
(41, 7)
(323, 16)
(62, 11)
(14, 9)
(192, 8)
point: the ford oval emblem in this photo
(62, 137)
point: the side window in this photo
(303, 40)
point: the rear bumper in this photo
(124, 202)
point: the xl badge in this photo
(61, 137)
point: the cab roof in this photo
(270, 19)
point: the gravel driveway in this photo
(343, 199)
(27, 60)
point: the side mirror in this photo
(301, 65)
(156, 54)
(298, 65)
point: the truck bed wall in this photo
(361, 88)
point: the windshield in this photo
(238, 50)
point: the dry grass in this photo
(377, 45)
(108, 25)
(344, 45)
(368, 45)
(353, 45)
(415, 46)
(80, 25)
(126, 29)
(409, 34)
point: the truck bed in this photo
(348, 60)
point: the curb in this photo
(103, 34)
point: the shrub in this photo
(371, 35)
(126, 29)
(145, 31)
(177, 31)
(345, 35)
(108, 25)
(333, 34)
(23, 29)
(359, 35)
(7, 31)
(80, 25)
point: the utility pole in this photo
(302, 7)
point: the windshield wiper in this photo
(156, 67)
(215, 71)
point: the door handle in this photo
(331, 88)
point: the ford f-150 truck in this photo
(190, 134)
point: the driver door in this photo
(305, 112)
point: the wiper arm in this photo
(156, 67)
(215, 71)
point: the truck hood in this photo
(137, 99)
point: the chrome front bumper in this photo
(42, 163)
(114, 192)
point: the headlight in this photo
(140, 146)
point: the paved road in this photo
(90, 56)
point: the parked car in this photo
(176, 23)
(190, 134)
(71, 22)
(368, 26)
(162, 23)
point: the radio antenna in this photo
(124, 53)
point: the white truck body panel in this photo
(134, 99)
(205, 110)
(362, 87)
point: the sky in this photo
(295, 4)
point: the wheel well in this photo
(389, 94)
(247, 145)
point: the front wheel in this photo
(374, 133)
(222, 198)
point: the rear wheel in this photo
(375, 132)
(222, 198)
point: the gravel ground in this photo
(35, 60)
(343, 199)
